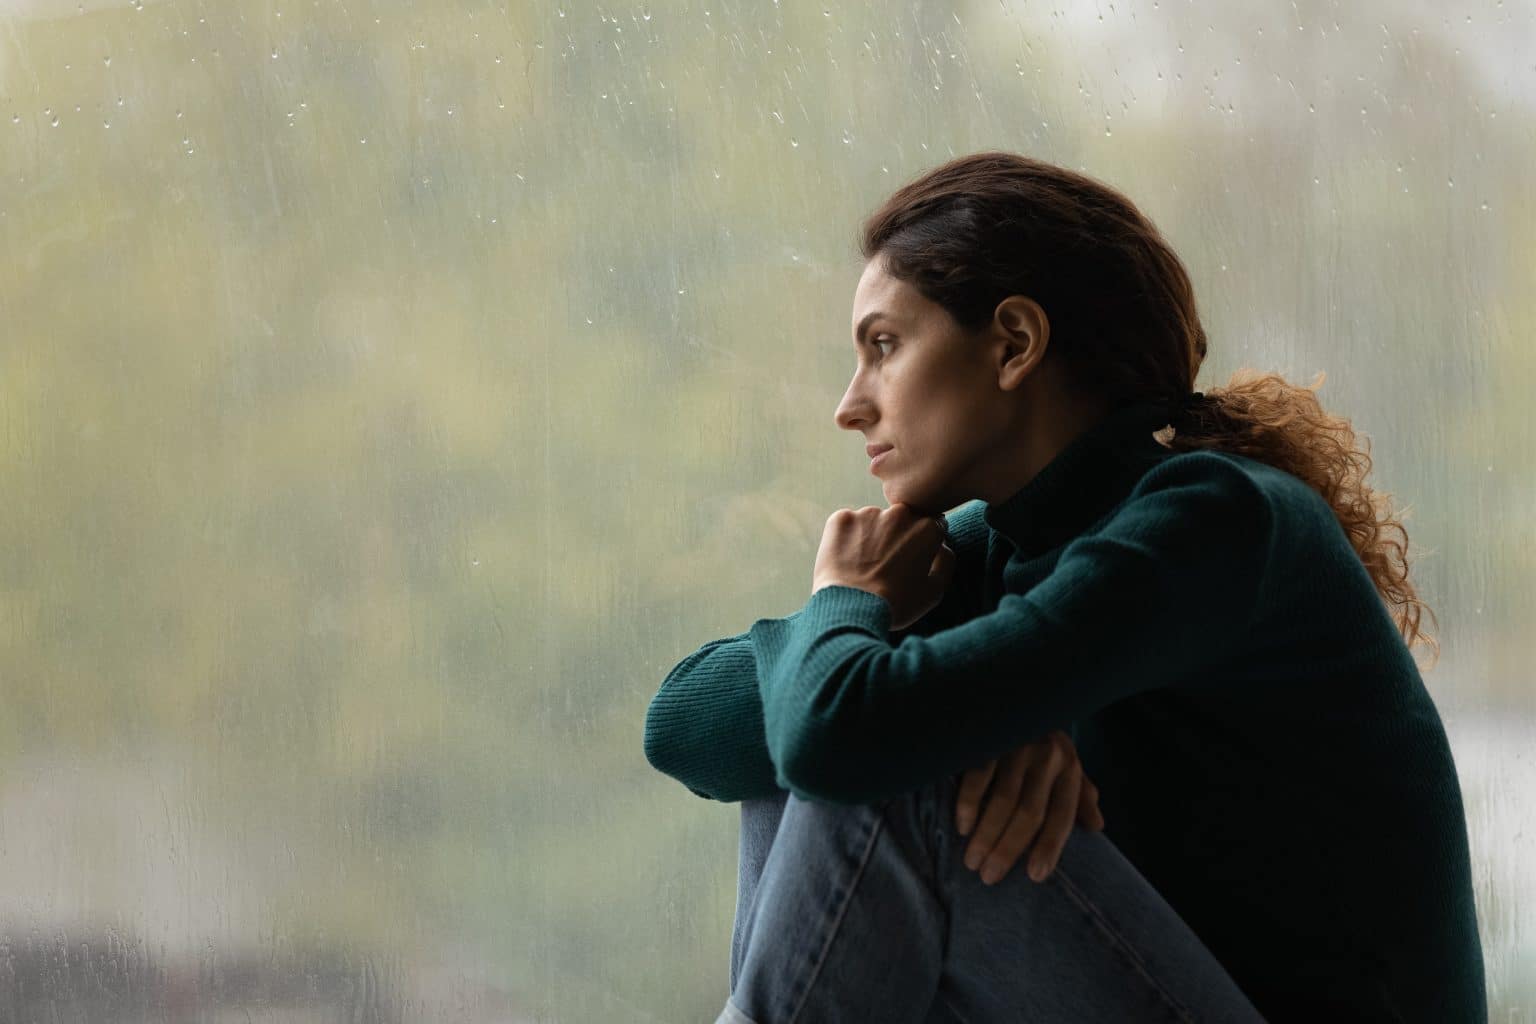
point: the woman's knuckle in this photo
(998, 814)
(1049, 840)
(1009, 845)
(986, 831)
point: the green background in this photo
(387, 393)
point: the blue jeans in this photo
(860, 913)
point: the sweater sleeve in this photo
(704, 727)
(1158, 592)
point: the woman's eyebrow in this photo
(858, 334)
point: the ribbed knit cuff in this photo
(836, 605)
(829, 611)
(799, 667)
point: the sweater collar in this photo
(1086, 479)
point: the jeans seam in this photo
(837, 922)
(1126, 949)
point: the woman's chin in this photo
(895, 492)
(916, 498)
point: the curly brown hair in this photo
(988, 225)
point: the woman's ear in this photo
(1023, 334)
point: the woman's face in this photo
(942, 398)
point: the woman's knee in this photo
(910, 822)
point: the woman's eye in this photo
(879, 342)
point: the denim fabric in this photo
(860, 913)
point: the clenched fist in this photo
(894, 553)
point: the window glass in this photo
(391, 394)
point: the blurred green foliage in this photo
(387, 394)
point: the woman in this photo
(1216, 612)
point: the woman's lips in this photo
(875, 462)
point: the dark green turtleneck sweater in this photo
(1264, 747)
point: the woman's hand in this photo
(895, 553)
(1040, 787)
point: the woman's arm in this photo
(704, 727)
(1162, 591)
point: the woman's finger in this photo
(1088, 814)
(1001, 799)
(942, 569)
(968, 798)
(1017, 837)
(1020, 814)
(1058, 824)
